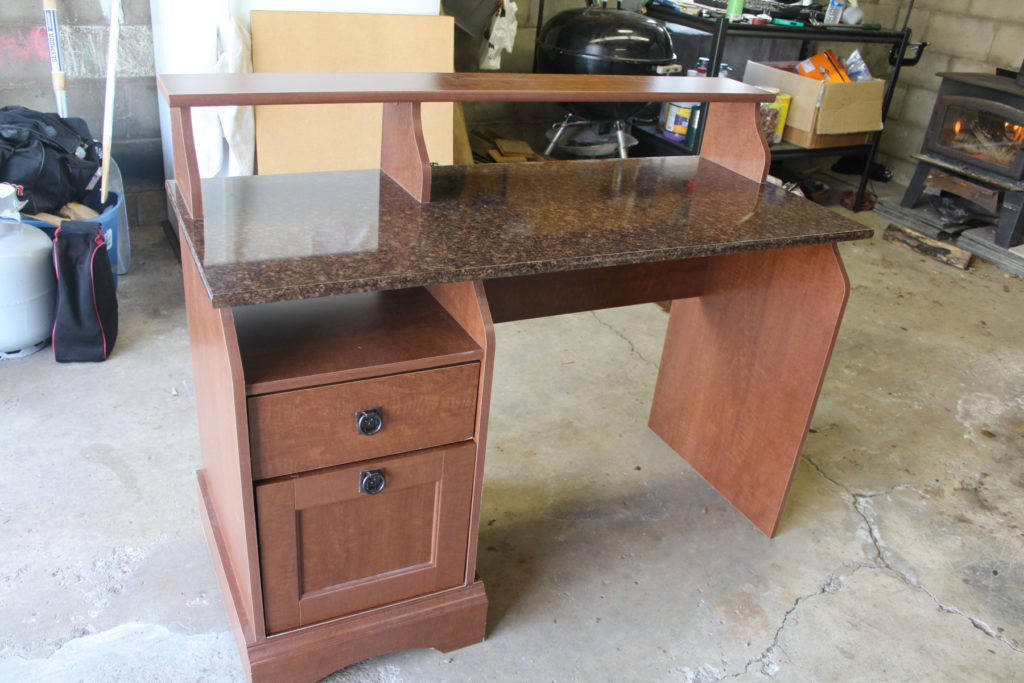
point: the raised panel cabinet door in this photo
(330, 546)
(307, 429)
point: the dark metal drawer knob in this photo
(369, 422)
(372, 481)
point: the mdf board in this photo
(327, 137)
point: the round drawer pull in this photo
(369, 422)
(372, 482)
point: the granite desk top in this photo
(284, 237)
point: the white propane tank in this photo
(28, 288)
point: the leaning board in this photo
(328, 137)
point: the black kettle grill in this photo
(592, 40)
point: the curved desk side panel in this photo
(225, 481)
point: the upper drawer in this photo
(297, 431)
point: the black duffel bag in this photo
(49, 160)
(85, 327)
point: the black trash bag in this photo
(85, 327)
(49, 160)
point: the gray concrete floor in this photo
(900, 556)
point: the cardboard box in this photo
(803, 138)
(822, 114)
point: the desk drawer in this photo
(306, 429)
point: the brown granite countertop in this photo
(283, 237)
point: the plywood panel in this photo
(297, 138)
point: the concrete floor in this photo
(900, 556)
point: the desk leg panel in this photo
(223, 437)
(467, 303)
(742, 367)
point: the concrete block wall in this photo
(84, 27)
(965, 35)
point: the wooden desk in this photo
(321, 304)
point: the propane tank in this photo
(28, 287)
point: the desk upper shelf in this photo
(732, 136)
(205, 90)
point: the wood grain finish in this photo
(227, 573)
(186, 165)
(445, 621)
(327, 550)
(404, 155)
(733, 138)
(403, 151)
(535, 296)
(467, 303)
(299, 344)
(214, 90)
(297, 431)
(220, 405)
(742, 367)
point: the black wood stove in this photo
(976, 138)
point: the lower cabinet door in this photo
(351, 538)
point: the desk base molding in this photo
(444, 621)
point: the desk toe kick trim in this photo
(742, 368)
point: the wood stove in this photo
(976, 135)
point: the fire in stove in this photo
(983, 135)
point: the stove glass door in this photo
(986, 136)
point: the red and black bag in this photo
(85, 327)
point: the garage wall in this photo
(84, 25)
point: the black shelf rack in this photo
(721, 30)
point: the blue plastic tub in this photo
(107, 220)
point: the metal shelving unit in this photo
(722, 30)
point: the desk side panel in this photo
(742, 368)
(467, 303)
(733, 138)
(223, 437)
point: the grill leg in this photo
(620, 133)
(558, 134)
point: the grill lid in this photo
(607, 34)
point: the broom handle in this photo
(108, 101)
(60, 94)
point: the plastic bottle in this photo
(678, 117)
(835, 11)
(734, 10)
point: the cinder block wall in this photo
(965, 35)
(25, 80)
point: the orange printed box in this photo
(824, 66)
